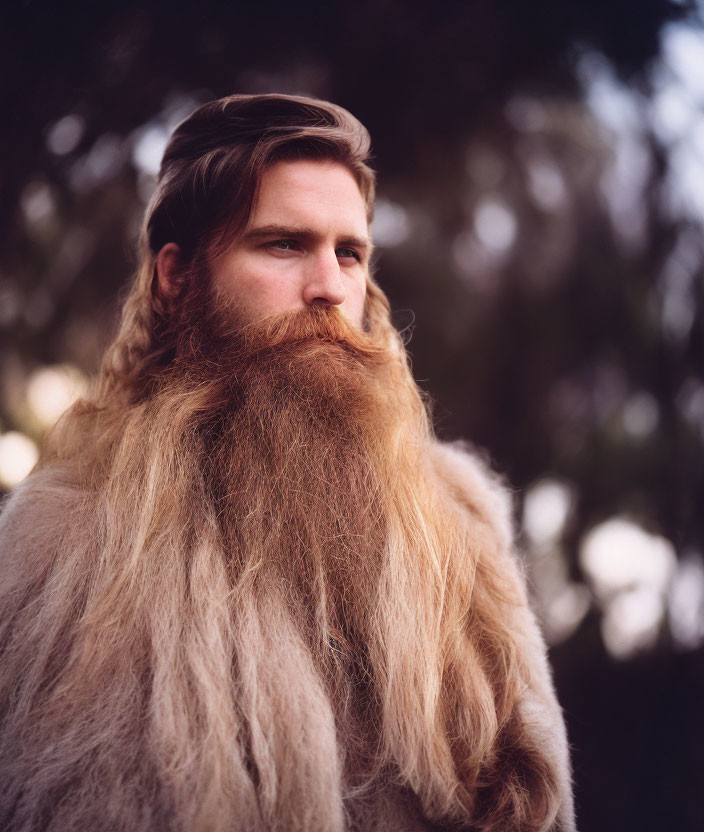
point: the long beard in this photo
(303, 423)
(303, 426)
(297, 449)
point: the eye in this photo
(345, 253)
(283, 245)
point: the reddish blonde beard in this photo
(304, 424)
(299, 436)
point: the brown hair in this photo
(214, 161)
(207, 186)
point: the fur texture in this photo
(251, 591)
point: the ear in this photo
(169, 272)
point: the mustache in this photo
(217, 355)
(306, 331)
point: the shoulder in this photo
(51, 487)
(465, 472)
(38, 516)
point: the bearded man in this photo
(246, 588)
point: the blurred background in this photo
(541, 197)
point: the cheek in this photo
(357, 304)
(260, 294)
(250, 284)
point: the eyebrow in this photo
(300, 233)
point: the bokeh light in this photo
(629, 570)
(51, 390)
(18, 455)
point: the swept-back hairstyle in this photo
(206, 189)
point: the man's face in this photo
(306, 243)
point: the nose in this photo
(324, 282)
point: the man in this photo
(246, 588)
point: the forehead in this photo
(319, 193)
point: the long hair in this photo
(257, 593)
